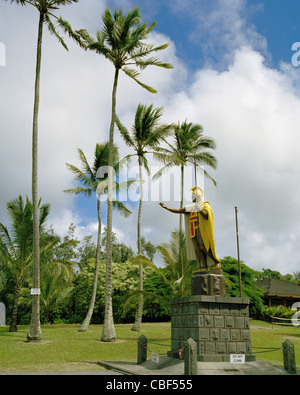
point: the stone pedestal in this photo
(219, 325)
(210, 283)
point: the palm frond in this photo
(133, 74)
(124, 132)
(75, 191)
(79, 175)
(67, 29)
(53, 31)
(141, 259)
(121, 208)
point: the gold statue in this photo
(199, 231)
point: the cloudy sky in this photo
(233, 73)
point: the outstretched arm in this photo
(173, 210)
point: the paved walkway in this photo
(169, 366)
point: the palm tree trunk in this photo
(35, 328)
(139, 312)
(108, 331)
(180, 220)
(85, 325)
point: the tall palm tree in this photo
(16, 249)
(45, 9)
(146, 134)
(121, 42)
(189, 147)
(89, 178)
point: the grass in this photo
(64, 349)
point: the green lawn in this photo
(65, 349)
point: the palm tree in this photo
(190, 147)
(146, 134)
(45, 9)
(177, 277)
(121, 42)
(56, 282)
(16, 249)
(89, 178)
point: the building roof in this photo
(271, 286)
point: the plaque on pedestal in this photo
(209, 283)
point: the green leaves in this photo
(121, 41)
(190, 146)
(45, 7)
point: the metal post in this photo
(238, 250)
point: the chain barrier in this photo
(266, 348)
(180, 350)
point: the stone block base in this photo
(219, 325)
(208, 283)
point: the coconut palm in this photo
(146, 134)
(16, 248)
(89, 177)
(121, 42)
(189, 147)
(45, 9)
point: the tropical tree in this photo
(89, 177)
(121, 42)
(57, 272)
(16, 252)
(176, 277)
(45, 9)
(147, 133)
(189, 147)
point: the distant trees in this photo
(16, 253)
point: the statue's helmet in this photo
(197, 191)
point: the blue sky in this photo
(232, 74)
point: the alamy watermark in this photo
(295, 320)
(2, 55)
(2, 315)
(167, 188)
(296, 56)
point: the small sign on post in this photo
(237, 358)
(35, 291)
(155, 357)
(2, 314)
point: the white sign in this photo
(237, 358)
(155, 357)
(2, 315)
(35, 291)
(2, 55)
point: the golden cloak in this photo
(196, 226)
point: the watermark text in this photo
(2, 55)
(296, 56)
(126, 185)
(295, 320)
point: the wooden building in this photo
(279, 292)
